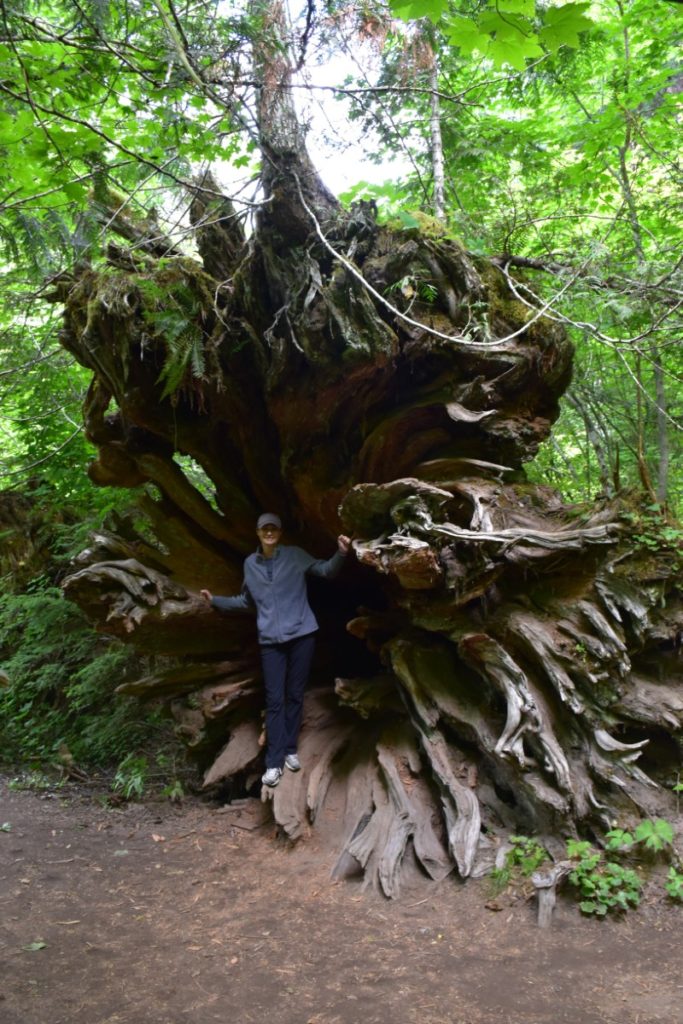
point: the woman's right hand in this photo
(207, 595)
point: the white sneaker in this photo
(271, 777)
(293, 763)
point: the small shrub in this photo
(131, 777)
(174, 792)
(619, 841)
(58, 676)
(525, 856)
(674, 884)
(655, 834)
(603, 885)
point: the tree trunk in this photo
(661, 415)
(492, 660)
(435, 138)
(598, 440)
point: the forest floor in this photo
(153, 914)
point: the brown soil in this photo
(150, 914)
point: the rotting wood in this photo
(546, 883)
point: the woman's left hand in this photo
(343, 544)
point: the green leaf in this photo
(674, 885)
(466, 35)
(33, 947)
(408, 220)
(578, 847)
(563, 24)
(508, 26)
(74, 190)
(656, 834)
(619, 840)
(525, 7)
(513, 40)
(516, 53)
(413, 10)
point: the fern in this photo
(62, 675)
(176, 326)
(184, 350)
(32, 237)
(99, 12)
(8, 245)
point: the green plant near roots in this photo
(411, 287)
(678, 789)
(607, 885)
(174, 791)
(58, 704)
(656, 834)
(172, 310)
(523, 858)
(674, 884)
(62, 676)
(603, 885)
(131, 776)
(653, 531)
(619, 841)
(135, 776)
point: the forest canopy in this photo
(544, 135)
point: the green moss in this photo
(171, 303)
(416, 224)
(508, 310)
(502, 305)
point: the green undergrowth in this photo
(603, 879)
(59, 714)
(602, 884)
(58, 703)
(653, 531)
(524, 857)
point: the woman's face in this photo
(269, 534)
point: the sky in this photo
(339, 147)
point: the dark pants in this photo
(286, 668)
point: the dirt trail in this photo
(149, 914)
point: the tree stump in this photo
(493, 660)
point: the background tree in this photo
(565, 168)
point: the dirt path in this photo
(153, 915)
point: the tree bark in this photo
(436, 140)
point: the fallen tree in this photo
(493, 660)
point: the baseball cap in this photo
(268, 519)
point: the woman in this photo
(275, 586)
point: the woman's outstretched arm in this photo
(241, 602)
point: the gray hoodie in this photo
(279, 596)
